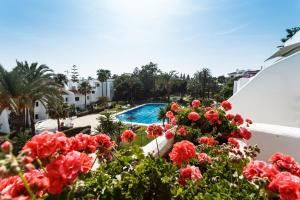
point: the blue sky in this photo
(184, 35)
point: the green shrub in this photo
(73, 131)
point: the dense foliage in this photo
(207, 161)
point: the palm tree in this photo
(162, 115)
(61, 79)
(57, 109)
(37, 85)
(10, 96)
(85, 88)
(166, 81)
(103, 75)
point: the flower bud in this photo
(6, 147)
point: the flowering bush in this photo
(280, 178)
(205, 162)
(49, 164)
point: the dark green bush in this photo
(73, 131)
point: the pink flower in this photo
(65, 169)
(226, 105)
(154, 131)
(259, 169)
(104, 141)
(169, 135)
(238, 120)
(13, 187)
(287, 185)
(182, 130)
(283, 162)
(207, 140)
(203, 158)
(212, 116)
(167, 126)
(173, 121)
(189, 173)
(169, 114)
(182, 152)
(249, 121)
(245, 133)
(174, 107)
(234, 142)
(43, 145)
(229, 116)
(193, 116)
(128, 136)
(207, 108)
(196, 103)
(6, 147)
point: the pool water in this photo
(145, 114)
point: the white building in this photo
(271, 100)
(71, 96)
(4, 125)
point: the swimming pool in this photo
(144, 114)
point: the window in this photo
(97, 85)
(93, 92)
(36, 104)
(66, 99)
(87, 97)
(36, 116)
(76, 98)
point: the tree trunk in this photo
(102, 88)
(32, 123)
(85, 100)
(58, 124)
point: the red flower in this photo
(173, 121)
(169, 114)
(229, 116)
(154, 131)
(196, 103)
(169, 135)
(203, 158)
(287, 185)
(259, 169)
(43, 145)
(128, 136)
(167, 126)
(207, 108)
(189, 173)
(13, 187)
(174, 107)
(226, 105)
(245, 133)
(238, 120)
(283, 162)
(249, 121)
(65, 169)
(234, 142)
(212, 116)
(182, 130)
(182, 152)
(6, 147)
(86, 162)
(207, 140)
(104, 141)
(82, 141)
(193, 116)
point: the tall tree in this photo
(103, 75)
(147, 75)
(74, 74)
(37, 85)
(166, 81)
(85, 88)
(57, 109)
